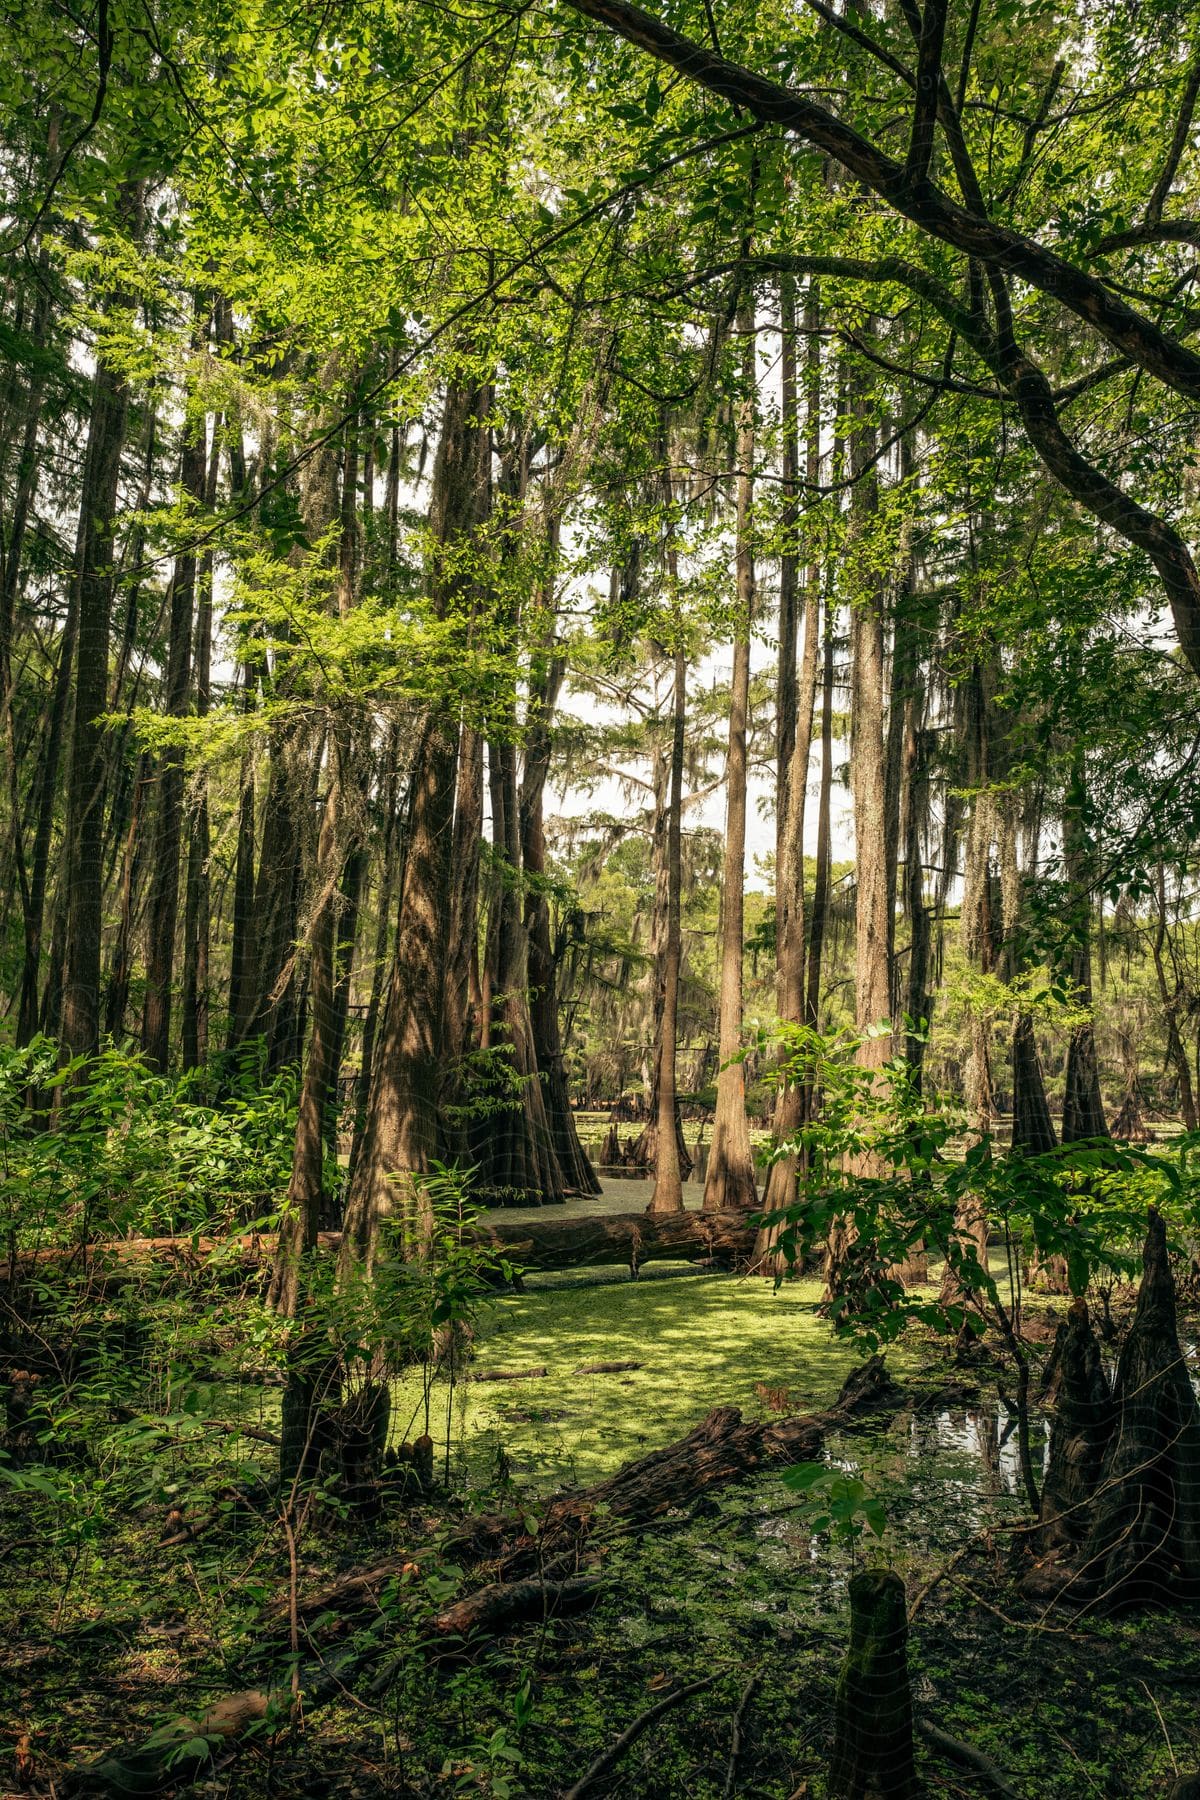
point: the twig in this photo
(1162, 1724)
(969, 1757)
(735, 1744)
(293, 1599)
(631, 1734)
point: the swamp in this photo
(599, 899)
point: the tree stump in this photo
(1143, 1545)
(873, 1723)
(312, 1389)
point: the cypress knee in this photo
(1079, 1437)
(1143, 1547)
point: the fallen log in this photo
(501, 1604)
(535, 1245)
(506, 1374)
(530, 1581)
(722, 1448)
(631, 1238)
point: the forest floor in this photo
(107, 1632)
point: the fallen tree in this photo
(540, 1244)
(530, 1576)
(191, 1747)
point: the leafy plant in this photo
(835, 1504)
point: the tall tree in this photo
(400, 1138)
(729, 1180)
(795, 705)
(169, 798)
(92, 601)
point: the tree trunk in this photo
(276, 901)
(462, 1026)
(919, 1002)
(1177, 1055)
(1143, 1545)
(978, 943)
(116, 1002)
(794, 709)
(335, 917)
(197, 907)
(824, 856)
(514, 1146)
(578, 1175)
(392, 859)
(671, 1159)
(1079, 1437)
(168, 818)
(93, 598)
(1033, 1128)
(400, 1137)
(11, 555)
(729, 1183)
(868, 767)
(243, 955)
(1083, 1108)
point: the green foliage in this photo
(889, 1169)
(835, 1504)
(103, 1147)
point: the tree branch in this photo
(1153, 231)
(1183, 126)
(1027, 386)
(922, 202)
(930, 85)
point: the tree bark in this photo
(578, 1175)
(1177, 1055)
(978, 943)
(729, 1182)
(1143, 1544)
(197, 906)
(795, 706)
(334, 923)
(868, 768)
(93, 598)
(671, 1159)
(400, 1137)
(1079, 1436)
(822, 866)
(168, 817)
(1083, 1107)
